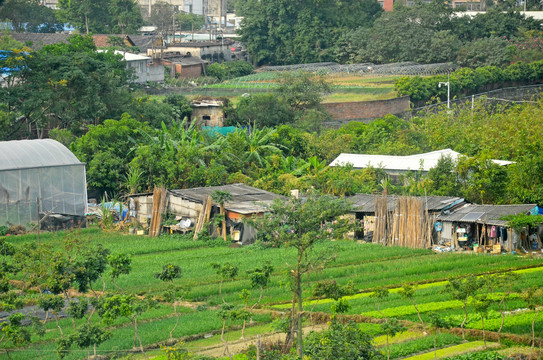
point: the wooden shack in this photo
(190, 204)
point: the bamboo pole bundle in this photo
(159, 207)
(381, 219)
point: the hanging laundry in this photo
(493, 231)
(503, 233)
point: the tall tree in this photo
(300, 31)
(87, 15)
(126, 16)
(301, 225)
(162, 17)
(67, 86)
(30, 16)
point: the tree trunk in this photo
(226, 350)
(117, 286)
(533, 328)
(503, 320)
(418, 313)
(435, 344)
(298, 284)
(87, 24)
(103, 284)
(137, 336)
(388, 349)
(177, 321)
(465, 319)
(258, 302)
(483, 326)
(58, 325)
(223, 212)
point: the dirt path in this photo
(237, 346)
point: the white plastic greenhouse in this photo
(44, 170)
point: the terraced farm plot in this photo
(367, 265)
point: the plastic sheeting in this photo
(43, 169)
(61, 190)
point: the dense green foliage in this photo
(287, 32)
(341, 342)
(520, 221)
(30, 15)
(301, 31)
(429, 33)
(65, 85)
(102, 16)
(467, 81)
(96, 16)
(229, 70)
(288, 158)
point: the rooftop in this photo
(366, 202)
(392, 163)
(489, 214)
(25, 154)
(128, 56)
(245, 199)
(39, 40)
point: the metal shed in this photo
(474, 224)
(40, 172)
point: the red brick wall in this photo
(364, 110)
(191, 71)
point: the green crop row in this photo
(469, 347)
(422, 344)
(427, 307)
(483, 355)
(523, 320)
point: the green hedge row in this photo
(465, 81)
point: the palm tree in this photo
(252, 148)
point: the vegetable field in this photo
(364, 267)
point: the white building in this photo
(397, 165)
(144, 69)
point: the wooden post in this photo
(39, 222)
(510, 240)
(258, 347)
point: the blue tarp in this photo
(223, 130)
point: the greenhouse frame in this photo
(40, 173)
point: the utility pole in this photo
(448, 84)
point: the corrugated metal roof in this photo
(366, 202)
(489, 214)
(245, 199)
(22, 154)
(39, 40)
(423, 162)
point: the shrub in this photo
(340, 342)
